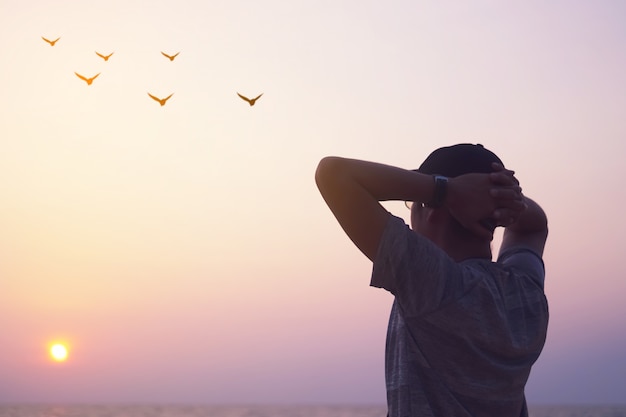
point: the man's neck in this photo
(462, 244)
(463, 252)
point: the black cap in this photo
(455, 160)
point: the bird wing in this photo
(56, 39)
(100, 55)
(80, 76)
(174, 56)
(47, 40)
(154, 98)
(109, 56)
(95, 76)
(244, 97)
(166, 55)
(257, 97)
(168, 97)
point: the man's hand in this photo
(480, 202)
(510, 202)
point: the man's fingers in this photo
(513, 192)
(511, 204)
(497, 167)
(505, 216)
(503, 178)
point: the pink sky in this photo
(183, 251)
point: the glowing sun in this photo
(58, 352)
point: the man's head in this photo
(451, 161)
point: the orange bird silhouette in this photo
(51, 42)
(105, 57)
(85, 79)
(250, 100)
(171, 57)
(161, 100)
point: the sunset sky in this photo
(183, 254)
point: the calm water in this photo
(264, 411)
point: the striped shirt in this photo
(462, 336)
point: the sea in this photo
(265, 411)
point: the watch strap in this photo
(440, 192)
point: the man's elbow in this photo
(328, 169)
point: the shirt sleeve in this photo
(418, 273)
(525, 260)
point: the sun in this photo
(58, 352)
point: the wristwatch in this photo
(441, 189)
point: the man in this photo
(464, 331)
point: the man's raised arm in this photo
(353, 190)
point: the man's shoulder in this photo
(398, 234)
(409, 250)
(413, 268)
(523, 261)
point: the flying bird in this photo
(161, 100)
(171, 57)
(105, 57)
(51, 42)
(251, 101)
(87, 80)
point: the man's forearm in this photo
(353, 190)
(529, 230)
(382, 182)
(531, 220)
